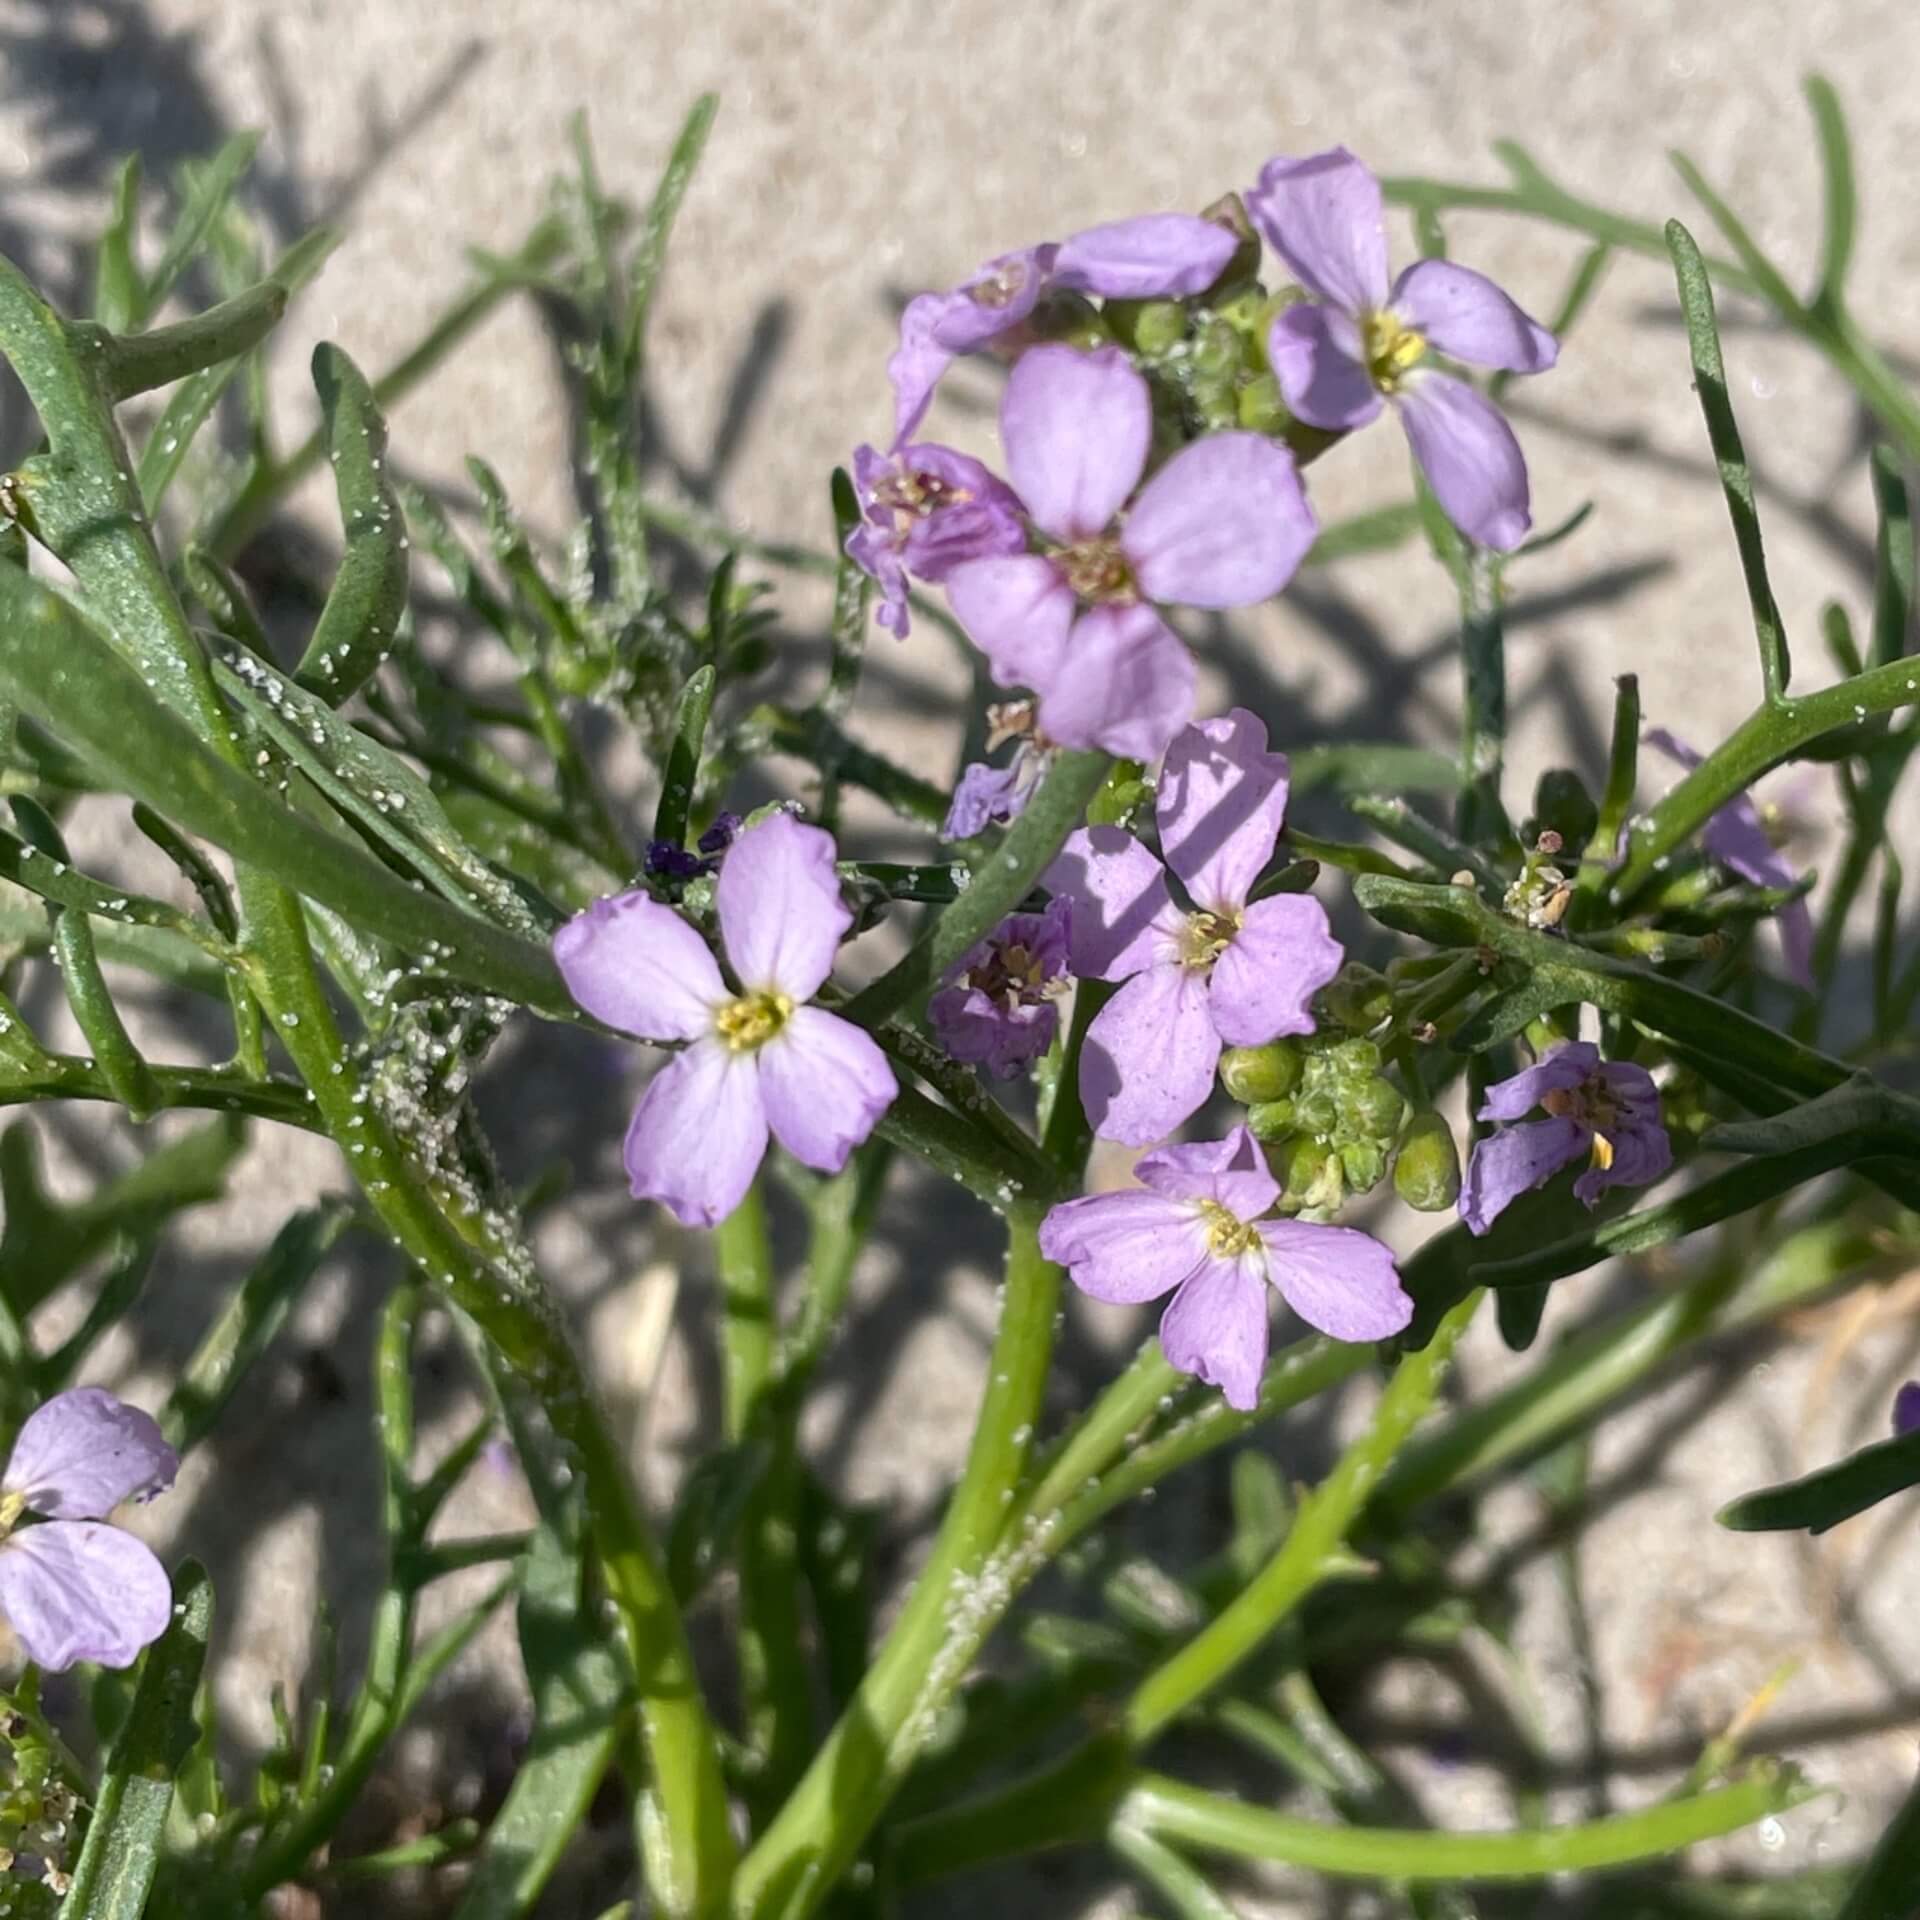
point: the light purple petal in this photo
(915, 366)
(79, 1590)
(1322, 215)
(983, 795)
(968, 513)
(1018, 611)
(938, 326)
(877, 556)
(1315, 355)
(1123, 918)
(83, 1452)
(825, 1083)
(1149, 1057)
(1215, 1327)
(1124, 683)
(778, 900)
(1155, 256)
(1124, 1247)
(1794, 922)
(1559, 1072)
(1335, 1279)
(1075, 427)
(978, 1031)
(1221, 801)
(1263, 985)
(1222, 524)
(1232, 1172)
(1642, 1154)
(1467, 317)
(698, 1134)
(1470, 457)
(1906, 1408)
(1514, 1161)
(633, 962)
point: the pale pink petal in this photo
(1222, 524)
(781, 914)
(633, 962)
(1263, 985)
(1215, 1328)
(1322, 215)
(83, 1452)
(1149, 1057)
(1018, 611)
(1233, 1173)
(825, 1083)
(1467, 317)
(1335, 1279)
(698, 1134)
(1154, 256)
(1075, 427)
(1471, 459)
(80, 1590)
(1123, 683)
(1221, 801)
(1124, 1247)
(1123, 918)
(1316, 357)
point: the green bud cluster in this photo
(1335, 1126)
(37, 1814)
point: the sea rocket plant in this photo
(1197, 1227)
(73, 1588)
(1224, 970)
(757, 1058)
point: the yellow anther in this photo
(12, 1506)
(1228, 1236)
(748, 1023)
(1205, 937)
(1602, 1152)
(1392, 347)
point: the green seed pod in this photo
(1310, 1175)
(1358, 998)
(1427, 1173)
(1562, 805)
(1256, 1075)
(1375, 1109)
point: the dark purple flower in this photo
(1222, 524)
(1906, 1408)
(720, 836)
(1230, 972)
(926, 509)
(1158, 256)
(673, 862)
(72, 1588)
(1737, 837)
(1365, 342)
(999, 1010)
(757, 1059)
(1606, 1112)
(1193, 1227)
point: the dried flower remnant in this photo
(1906, 1408)
(999, 1010)
(73, 1588)
(986, 795)
(1196, 1227)
(758, 1059)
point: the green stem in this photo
(62, 1076)
(1889, 1884)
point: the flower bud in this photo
(1363, 1162)
(1358, 998)
(1375, 1109)
(1562, 805)
(1259, 405)
(1150, 327)
(1261, 1075)
(1427, 1173)
(1218, 352)
(1309, 1173)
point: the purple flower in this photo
(999, 1012)
(1737, 837)
(1607, 1112)
(1906, 1408)
(71, 1588)
(1227, 971)
(1336, 361)
(1158, 256)
(987, 795)
(1222, 524)
(758, 1057)
(927, 508)
(1193, 1227)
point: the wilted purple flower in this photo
(1157, 256)
(1336, 362)
(999, 1011)
(926, 509)
(1737, 837)
(1226, 972)
(986, 795)
(72, 1588)
(670, 861)
(1607, 1112)
(1222, 524)
(758, 1057)
(720, 836)
(1193, 1227)
(1906, 1408)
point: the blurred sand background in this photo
(865, 151)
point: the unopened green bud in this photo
(1244, 309)
(1121, 793)
(1261, 409)
(1363, 1162)
(1253, 1075)
(1271, 1119)
(1427, 1173)
(1072, 318)
(1375, 1109)
(1217, 353)
(1149, 327)
(1243, 263)
(1310, 1175)
(1316, 1113)
(1358, 997)
(1562, 805)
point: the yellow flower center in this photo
(1205, 937)
(12, 1506)
(917, 496)
(1096, 569)
(1391, 347)
(747, 1024)
(1228, 1237)
(1590, 1106)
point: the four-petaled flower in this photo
(1223, 971)
(1195, 1227)
(1155, 256)
(1222, 524)
(999, 1010)
(74, 1588)
(1605, 1112)
(1367, 343)
(758, 1057)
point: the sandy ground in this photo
(865, 151)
